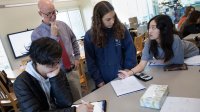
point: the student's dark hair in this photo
(187, 10)
(165, 25)
(45, 51)
(97, 29)
(191, 19)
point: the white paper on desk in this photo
(195, 60)
(156, 62)
(181, 104)
(127, 85)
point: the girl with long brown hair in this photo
(108, 45)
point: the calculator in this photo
(143, 76)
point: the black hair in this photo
(45, 51)
(191, 19)
(188, 10)
(165, 25)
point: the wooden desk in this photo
(191, 36)
(191, 39)
(181, 84)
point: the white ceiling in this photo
(16, 3)
(3, 2)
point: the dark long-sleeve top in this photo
(103, 63)
(32, 98)
(191, 29)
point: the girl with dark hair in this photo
(108, 45)
(191, 25)
(188, 10)
(163, 45)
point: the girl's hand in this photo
(85, 107)
(54, 29)
(101, 84)
(124, 74)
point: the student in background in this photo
(43, 86)
(108, 45)
(188, 11)
(162, 44)
(61, 32)
(191, 25)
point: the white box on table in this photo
(154, 96)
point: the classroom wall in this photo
(20, 18)
(86, 11)
(86, 7)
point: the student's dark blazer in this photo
(190, 29)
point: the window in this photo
(4, 63)
(73, 19)
(142, 9)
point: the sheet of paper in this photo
(127, 85)
(195, 60)
(156, 62)
(181, 104)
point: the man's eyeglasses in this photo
(49, 14)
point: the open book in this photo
(99, 106)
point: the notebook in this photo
(127, 85)
(99, 106)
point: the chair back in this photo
(6, 81)
(138, 41)
(6, 98)
(3, 92)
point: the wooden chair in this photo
(138, 41)
(7, 98)
(81, 69)
(6, 81)
(83, 78)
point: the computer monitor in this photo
(20, 42)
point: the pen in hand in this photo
(88, 105)
(96, 108)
